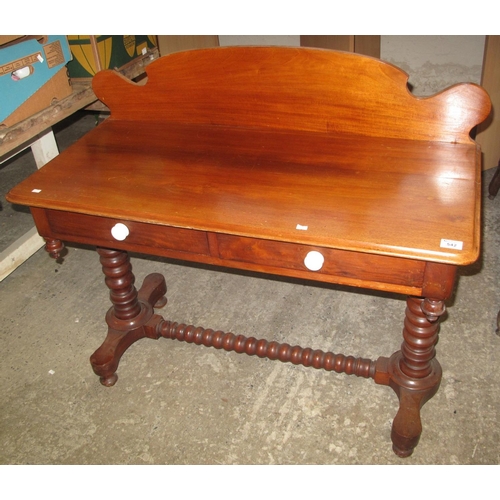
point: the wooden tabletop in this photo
(385, 196)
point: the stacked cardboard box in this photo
(33, 75)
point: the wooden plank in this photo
(45, 148)
(177, 43)
(488, 133)
(24, 132)
(19, 251)
(368, 45)
(333, 42)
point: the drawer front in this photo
(141, 236)
(331, 262)
(288, 259)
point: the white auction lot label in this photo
(455, 245)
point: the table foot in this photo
(131, 317)
(54, 248)
(412, 395)
(413, 372)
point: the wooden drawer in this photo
(142, 237)
(339, 263)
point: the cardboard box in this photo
(4, 39)
(33, 75)
(93, 53)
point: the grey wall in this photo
(435, 62)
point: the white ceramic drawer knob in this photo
(314, 261)
(119, 231)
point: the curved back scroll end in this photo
(462, 106)
(112, 87)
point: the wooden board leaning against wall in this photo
(488, 133)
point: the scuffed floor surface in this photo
(178, 403)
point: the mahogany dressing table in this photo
(306, 163)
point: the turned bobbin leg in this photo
(129, 317)
(413, 372)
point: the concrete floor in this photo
(176, 403)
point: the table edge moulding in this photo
(299, 162)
